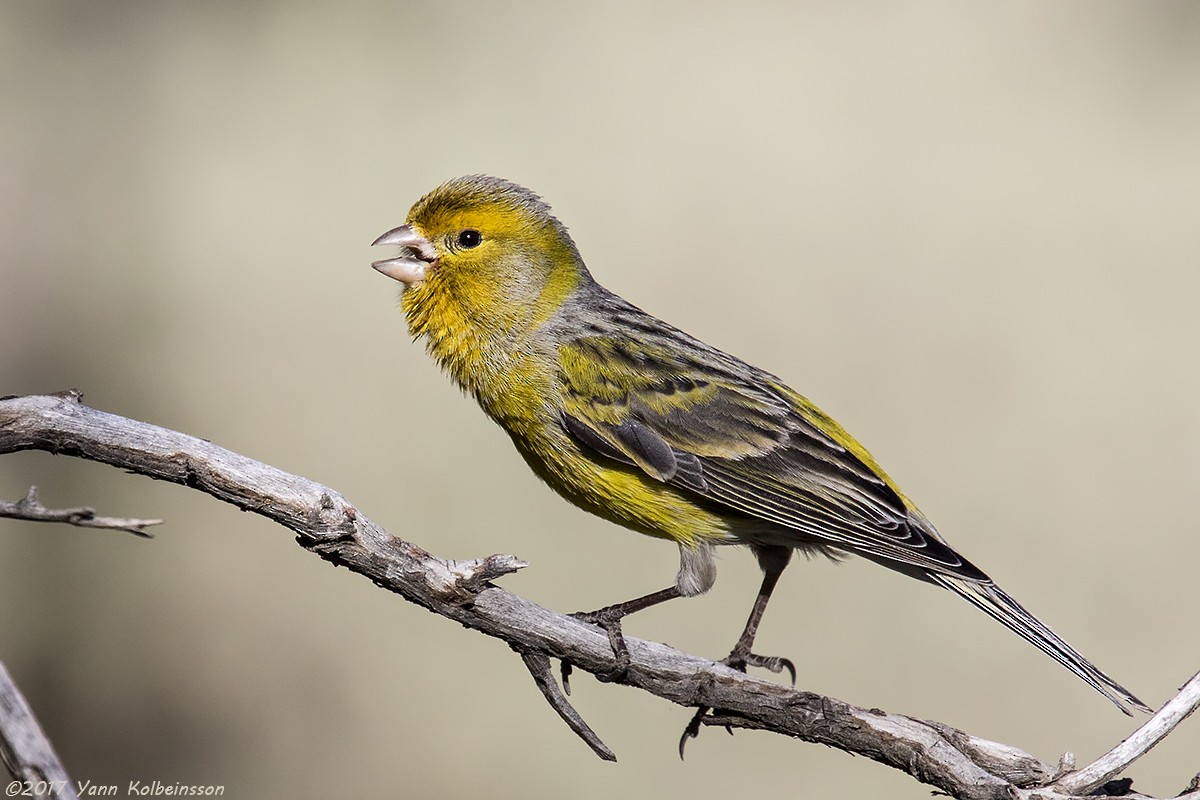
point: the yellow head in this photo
(484, 264)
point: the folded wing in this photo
(698, 419)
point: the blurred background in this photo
(968, 231)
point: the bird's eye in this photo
(469, 238)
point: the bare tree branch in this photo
(327, 524)
(1115, 761)
(30, 508)
(26, 751)
(539, 667)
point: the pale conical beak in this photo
(417, 255)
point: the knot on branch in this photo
(465, 579)
(329, 523)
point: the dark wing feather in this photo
(696, 418)
(635, 444)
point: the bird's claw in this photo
(693, 728)
(611, 625)
(738, 661)
(776, 664)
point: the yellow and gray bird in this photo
(644, 425)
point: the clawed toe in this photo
(590, 617)
(611, 625)
(693, 727)
(609, 620)
(775, 664)
(738, 661)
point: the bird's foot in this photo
(739, 661)
(776, 664)
(608, 620)
(692, 729)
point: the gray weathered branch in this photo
(330, 526)
(26, 751)
(30, 508)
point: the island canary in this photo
(634, 420)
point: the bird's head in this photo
(481, 252)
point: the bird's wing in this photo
(700, 420)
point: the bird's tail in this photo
(1000, 606)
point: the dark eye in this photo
(469, 238)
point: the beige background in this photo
(969, 231)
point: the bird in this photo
(644, 425)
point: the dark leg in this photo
(609, 619)
(773, 560)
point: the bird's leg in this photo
(609, 619)
(697, 572)
(773, 560)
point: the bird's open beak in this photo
(417, 255)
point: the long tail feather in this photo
(1000, 606)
